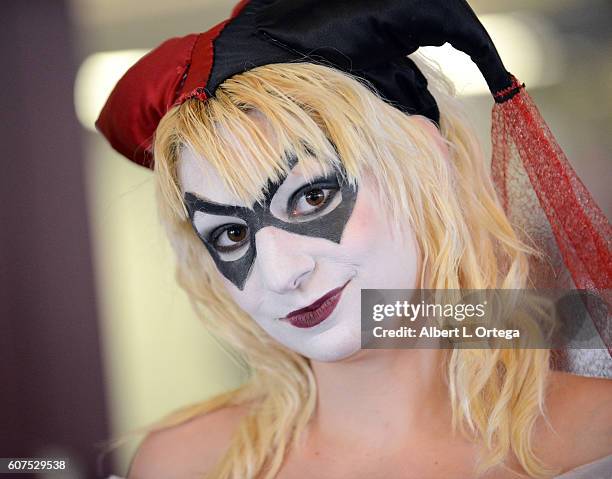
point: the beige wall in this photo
(157, 354)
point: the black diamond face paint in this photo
(232, 246)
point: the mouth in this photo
(316, 312)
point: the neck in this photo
(381, 394)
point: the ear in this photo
(431, 130)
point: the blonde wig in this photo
(320, 114)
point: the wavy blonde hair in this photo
(318, 114)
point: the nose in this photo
(281, 262)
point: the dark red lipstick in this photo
(316, 312)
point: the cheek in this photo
(360, 222)
(433, 132)
(364, 228)
(248, 299)
(387, 253)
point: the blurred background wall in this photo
(96, 337)
(53, 400)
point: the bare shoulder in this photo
(189, 449)
(584, 402)
(579, 428)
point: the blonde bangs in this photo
(320, 117)
(227, 132)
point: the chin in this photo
(333, 356)
(335, 345)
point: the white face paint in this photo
(292, 271)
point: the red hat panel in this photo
(176, 70)
(142, 96)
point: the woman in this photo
(287, 188)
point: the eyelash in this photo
(219, 231)
(323, 184)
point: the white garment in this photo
(600, 469)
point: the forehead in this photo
(199, 176)
(238, 175)
(196, 175)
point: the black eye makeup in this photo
(319, 208)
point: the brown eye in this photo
(236, 233)
(315, 197)
(230, 237)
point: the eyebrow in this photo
(204, 205)
(202, 199)
(196, 203)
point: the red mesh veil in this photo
(552, 209)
